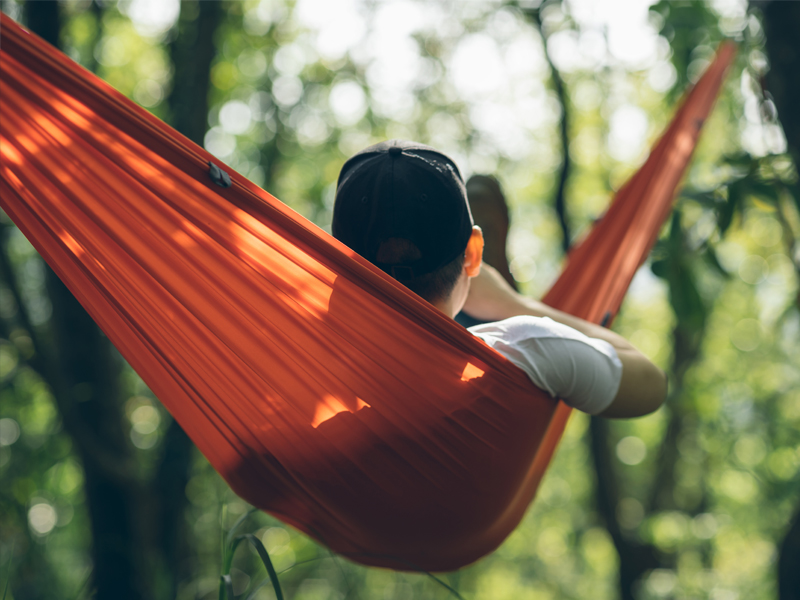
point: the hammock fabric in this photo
(322, 391)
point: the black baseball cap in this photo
(403, 190)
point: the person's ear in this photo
(473, 256)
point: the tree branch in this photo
(559, 198)
(635, 559)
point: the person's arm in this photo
(643, 386)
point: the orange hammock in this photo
(322, 391)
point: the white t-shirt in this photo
(584, 372)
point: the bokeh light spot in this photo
(42, 517)
(348, 102)
(746, 335)
(750, 450)
(704, 526)
(631, 450)
(148, 93)
(235, 117)
(628, 133)
(753, 269)
(287, 91)
(145, 419)
(9, 431)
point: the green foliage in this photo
(8, 573)
(692, 29)
(672, 262)
(232, 541)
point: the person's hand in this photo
(490, 296)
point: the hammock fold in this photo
(324, 392)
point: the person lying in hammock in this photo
(403, 206)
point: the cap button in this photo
(395, 150)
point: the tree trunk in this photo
(192, 52)
(89, 402)
(781, 24)
(635, 559)
(559, 198)
(789, 562)
(83, 371)
(90, 370)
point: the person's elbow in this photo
(642, 389)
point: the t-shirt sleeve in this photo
(584, 372)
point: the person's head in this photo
(403, 206)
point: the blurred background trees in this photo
(103, 495)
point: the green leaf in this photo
(675, 239)
(743, 160)
(764, 191)
(736, 192)
(686, 301)
(226, 583)
(660, 268)
(673, 265)
(264, 555)
(8, 569)
(708, 199)
(445, 585)
(794, 192)
(227, 561)
(238, 524)
(256, 589)
(710, 256)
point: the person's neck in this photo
(452, 303)
(447, 306)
